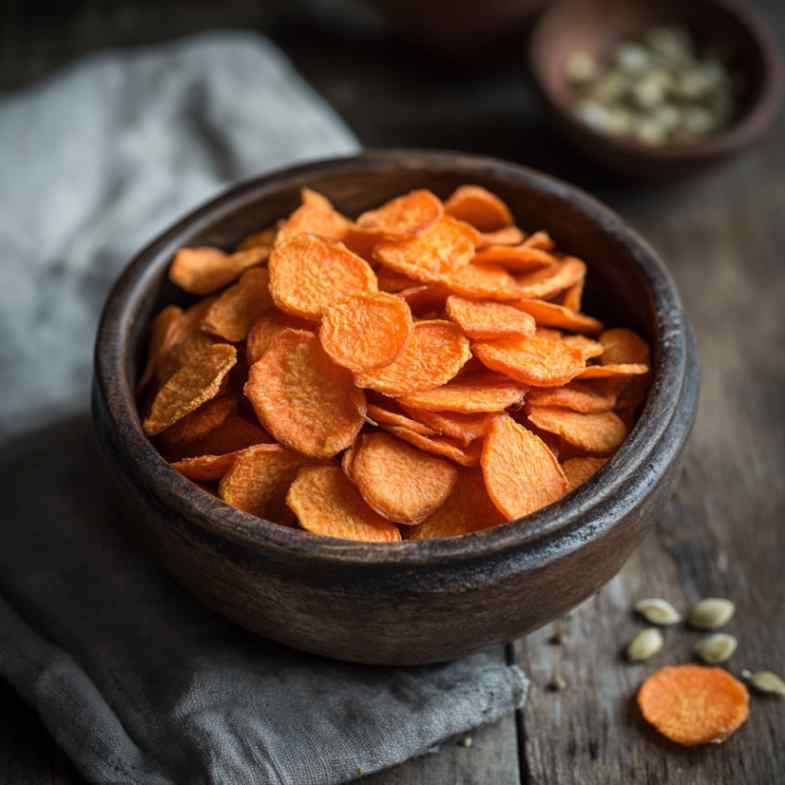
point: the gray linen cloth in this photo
(136, 682)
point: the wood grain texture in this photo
(723, 236)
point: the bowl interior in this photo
(596, 26)
(626, 285)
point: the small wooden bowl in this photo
(410, 602)
(595, 26)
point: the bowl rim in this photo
(151, 473)
(747, 128)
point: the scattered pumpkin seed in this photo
(716, 648)
(644, 645)
(657, 611)
(711, 613)
(765, 681)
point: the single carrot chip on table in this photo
(482, 282)
(366, 331)
(381, 416)
(477, 394)
(205, 468)
(231, 315)
(266, 327)
(541, 362)
(579, 470)
(520, 258)
(479, 207)
(693, 704)
(599, 434)
(583, 397)
(260, 476)
(308, 273)
(205, 270)
(263, 239)
(488, 320)
(305, 400)
(189, 387)
(403, 484)
(433, 354)
(468, 509)
(163, 332)
(625, 371)
(405, 216)
(552, 315)
(317, 216)
(465, 428)
(468, 455)
(521, 474)
(326, 502)
(550, 281)
(444, 248)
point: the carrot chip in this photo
(464, 428)
(438, 445)
(305, 400)
(425, 299)
(482, 392)
(552, 315)
(317, 216)
(308, 273)
(264, 330)
(482, 282)
(204, 270)
(327, 503)
(479, 207)
(550, 281)
(197, 425)
(510, 235)
(573, 297)
(405, 216)
(434, 353)
(540, 240)
(588, 347)
(521, 474)
(366, 331)
(394, 282)
(400, 482)
(488, 320)
(381, 416)
(205, 468)
(521, 258)
(260, 476)
(263, 239)
(468, 509)
(190, 386)
(623, 347)
(583, 397)
(230, 317)
(234, 434)
(692, 704)
(163, 333)
(624, 371)
(599, 434)
(579, 470)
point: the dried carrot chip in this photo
(163, 333)
(426, 298)
(479, 207)
(190, 386)
(232, 314)
(541, 240)
(260, 476)
(579, 470)
(482, 282)
(197, 425)
(303, 398)
(444, 248)
(588, 347)
(468, 509)
(381, 416)
(400, 482)
(204, 270)
(599, 434)
(625, 371)
(510, 235)
(549, 281)
(236, 433)
(434, 353)
(623, 347)
(308, 273)
(326, 503)
(439, 445)
(366, 331)
(488, 320)
(263, 239)
(393, 282)
(265, 328)
(186, 349)
(205, 468)
(317, 216)
(573, 297)
(406, 216)
(692, 704)
(521, 474)
(465, 428)
(583, 397)
(552, 315)
(483, 392)
(515, 257)
(539, 361)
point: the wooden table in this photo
(723, 235)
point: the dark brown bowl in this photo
(595, 26)
(410, 602)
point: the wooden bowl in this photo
(595, 26)
(410, 602)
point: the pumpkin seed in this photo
(644, 645)
(711, 613)
(716, 648)
(765, 681)
(657, 611)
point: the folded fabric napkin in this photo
(135, 681)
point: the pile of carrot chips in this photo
(422, 371)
